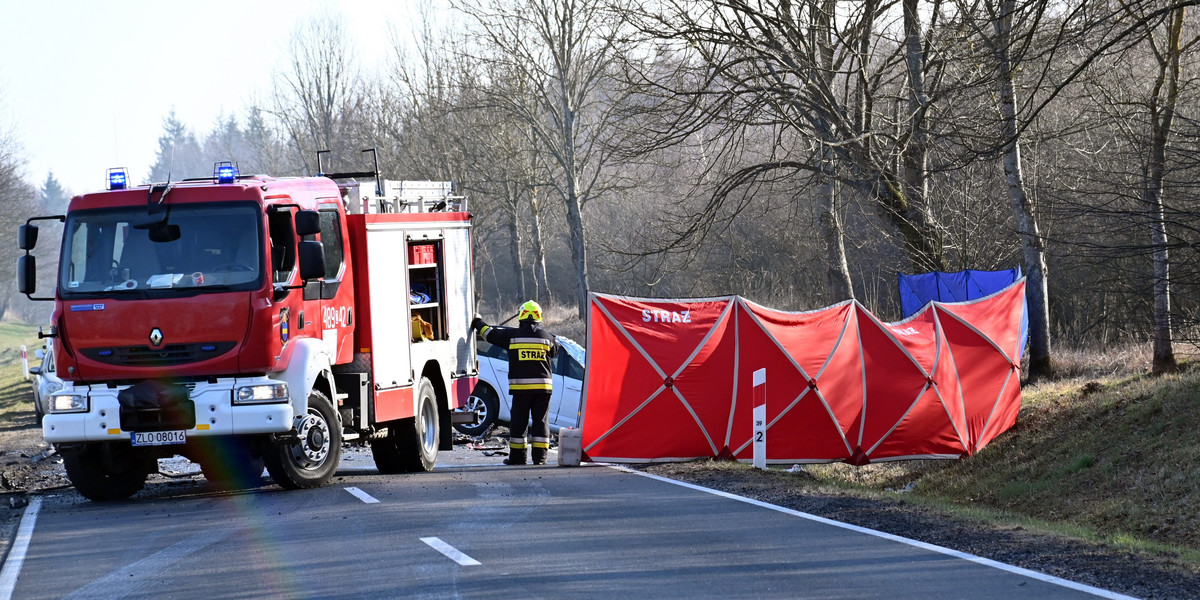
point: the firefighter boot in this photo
(516, 452)
(540, 446)
(515, 457)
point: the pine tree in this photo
(54, 197)
(179, 154)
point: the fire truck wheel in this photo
(486, 402)
(311, 460)
(106, 471)
(386, 454)
(411, 444)
(419, 441)
(231, 463)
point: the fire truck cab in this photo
(251, 321)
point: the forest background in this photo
(797, 153)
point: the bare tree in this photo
(1167, 47)
(843, 98)
(319, 90)
(1008, 29)
(18, 201)
(559, 58)
(435, 117)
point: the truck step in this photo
(348, 435)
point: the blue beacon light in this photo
(118, 179)
(226, 172)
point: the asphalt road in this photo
(476, 529)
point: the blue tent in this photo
(918, 290)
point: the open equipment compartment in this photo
(425, 264)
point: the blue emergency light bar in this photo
(118, 179)
(225, 172)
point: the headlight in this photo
(69, 403)
(261, 394)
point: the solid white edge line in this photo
(16, 554)
(361, 495)
(451, 552)
(1095, 591)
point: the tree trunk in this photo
(578, 247)
(542, 283)
(518, 262)
(837, 269)
(922, 242)
(1036, 276)
(914, 157)
(1161, 120)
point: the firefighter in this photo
(531, 351)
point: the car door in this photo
(493, 368)
(568, 389)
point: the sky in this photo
(86, 85)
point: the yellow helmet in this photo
(530, 310)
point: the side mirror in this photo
(27, 236)
(35, 370)
(26, 272)
(308, 222)
(312, 259)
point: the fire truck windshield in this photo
(184, 248)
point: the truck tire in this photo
(486, 402)
(103, 472)
(386, 452)
(418, 439)
(311, 460)
(231, 463)
(411, 444)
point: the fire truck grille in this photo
(169, 355)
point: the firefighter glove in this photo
(477, 323)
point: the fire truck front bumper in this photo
(232, 406)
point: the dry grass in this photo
(1108, 449)
(16, 394)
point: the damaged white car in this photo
(491, 401)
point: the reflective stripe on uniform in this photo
(516, 445)
(536, 341)
(540, 442)
(524, 387)
(530, 380)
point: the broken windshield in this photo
(117, 250)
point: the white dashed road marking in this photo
(361, 495)
(450, 551)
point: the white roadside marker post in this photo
(25, 361)
(760, 419)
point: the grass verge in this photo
(1112, 458)
(16, 393)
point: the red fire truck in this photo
(255, 321)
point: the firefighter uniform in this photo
(531, 351)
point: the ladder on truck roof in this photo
(383, 196)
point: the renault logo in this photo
(156, 337)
